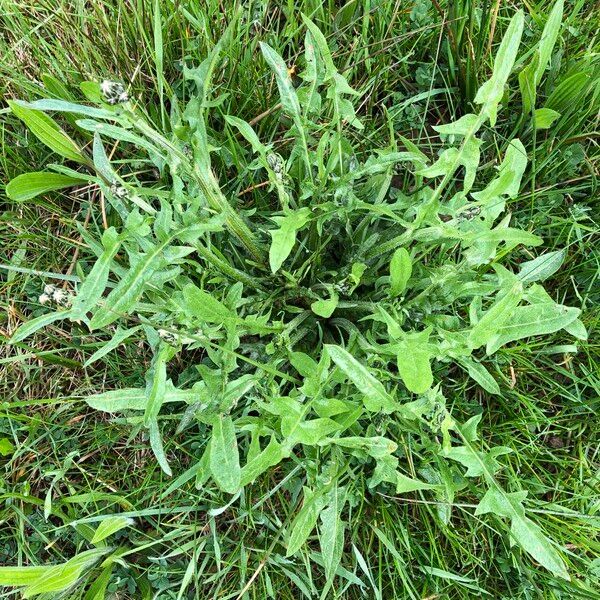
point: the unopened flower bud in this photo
(276, 163)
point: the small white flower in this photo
(119, 191)
(113, 92)
(167, 336)
(56, 295)
(61, 297)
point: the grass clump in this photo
(296, 324)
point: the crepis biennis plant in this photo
(319, 320)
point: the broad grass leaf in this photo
(29, 185)
(536, 319)
(224, 455)
(97, 590)
(376, 397)
(569, 92)
(20, 576)
(56, 87)
(400, 271)
(443, 574)
(47, 131)
(110, 526)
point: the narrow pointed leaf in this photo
(331, 532)
(93, 287)
(156, 444)
(304, 522)
(126, 293)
